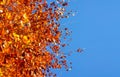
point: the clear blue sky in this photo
(97, 28)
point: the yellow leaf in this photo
(25, 17)
(8, 15)
(1, 74)
(16, 36)
(26, 40)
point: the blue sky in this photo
(97, 28)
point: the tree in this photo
(27, 27)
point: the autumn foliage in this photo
(27, 28)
